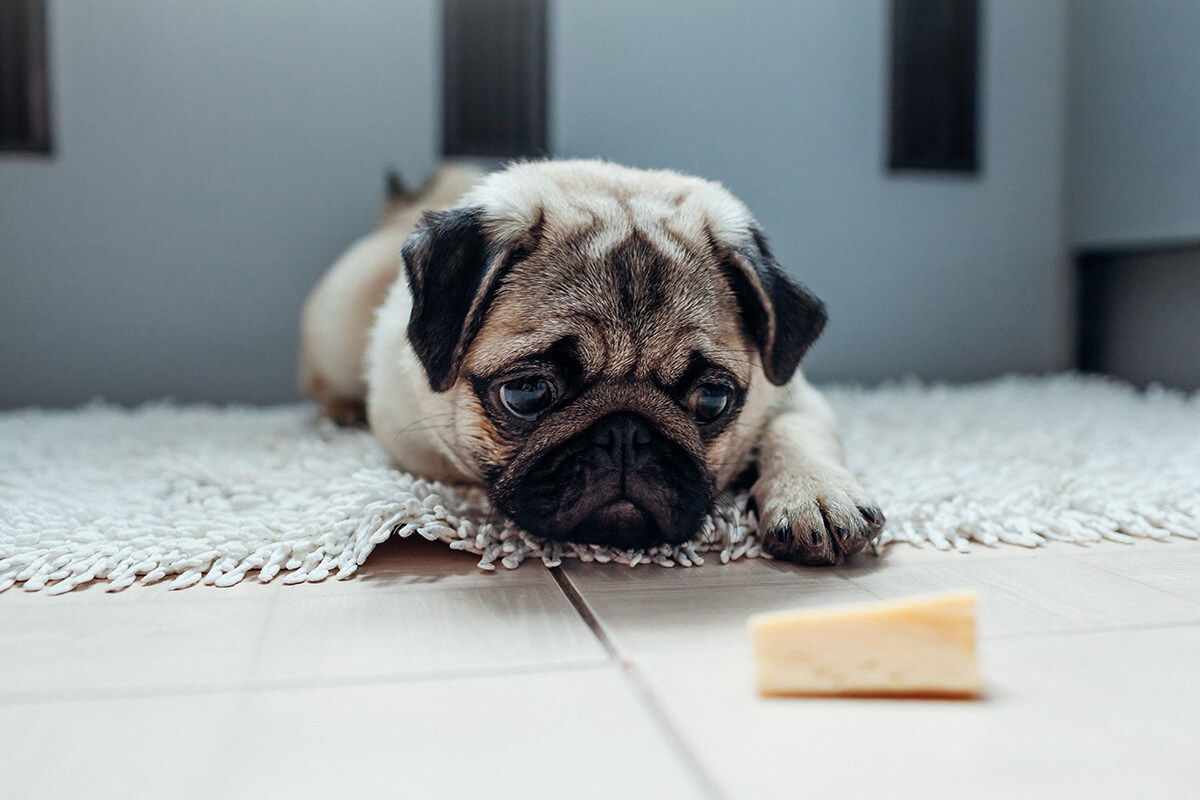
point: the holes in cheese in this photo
(915, 647)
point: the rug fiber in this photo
(196, 494)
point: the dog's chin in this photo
(619, 523)
(642, 519)
(567, 497)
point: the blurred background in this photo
(974, 187)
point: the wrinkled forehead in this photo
(568, 197)
(631, 300)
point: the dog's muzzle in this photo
(619, 483)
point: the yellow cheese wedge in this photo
(915, 647)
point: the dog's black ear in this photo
(447, 259)
(781, 315)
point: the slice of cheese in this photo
(919, 646)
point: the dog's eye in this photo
(709, 401)
(527, 398)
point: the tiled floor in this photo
(424, 677)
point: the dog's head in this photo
(604, 336)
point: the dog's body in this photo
(605, 349)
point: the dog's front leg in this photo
(810, 508)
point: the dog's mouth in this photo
(620, 523)
(651, 493)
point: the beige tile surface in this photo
(421, 609)
(653, 610)
(54, 650)
(426, 677)
(578, 733)
(162, 746)
(423, 631)
(1037, 591)
(1172, 567)
(1109, 714)
(418, 610)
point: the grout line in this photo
(260, 641)
(284, 685)
(585, 611)
(1103, 567)
(1096, 629)
(639, 685)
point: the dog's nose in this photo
(623, 439)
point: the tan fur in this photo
(609, 239)
(341, 308)
(698, 315)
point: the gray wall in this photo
(785, 103)
(1134, 181)
(213, 158)
(1135, 122)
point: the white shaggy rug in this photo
(196, 493)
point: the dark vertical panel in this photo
(494, 78)
(1092, 313)
(934, 85)
(1137, 314)
(24, 90)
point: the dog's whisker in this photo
(424, 424)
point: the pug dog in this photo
(605, 349)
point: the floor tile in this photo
(653, 610)
(565, 734)
(1171, 567)
(905, 553)
(579, 734)
(1038, 592)
(55, 650)
(351, 632)
(1108, 714)
(425, 676)
(117, 748)
(420, 610)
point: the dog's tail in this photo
(442, 189)
(395, 190)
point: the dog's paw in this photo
(815, 520)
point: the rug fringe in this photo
(190, 495)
